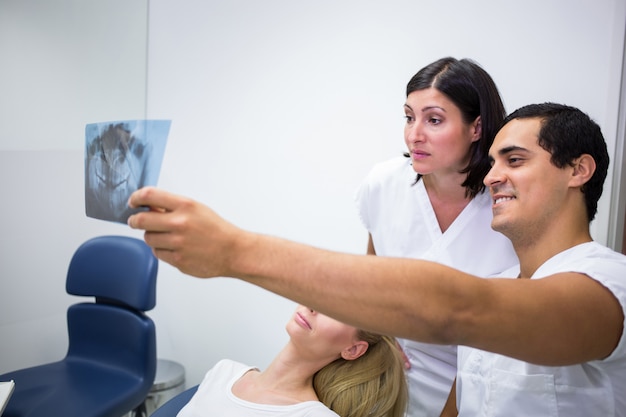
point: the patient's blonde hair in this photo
(374, 385)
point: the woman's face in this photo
(435, 134)
(319, 336)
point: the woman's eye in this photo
(408, 118)
(434, 120)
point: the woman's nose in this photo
(413, 132)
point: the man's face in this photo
(528, 191)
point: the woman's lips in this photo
(419, 154)
(302, 321)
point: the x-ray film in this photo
(121, 157)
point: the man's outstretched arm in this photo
(366, 291)
(408, 298)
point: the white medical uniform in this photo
(493, 385)
(399, 216)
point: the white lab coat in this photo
(492, 385)
(402, 222)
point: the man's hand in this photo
(184, 233)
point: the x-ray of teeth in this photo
(121, 157)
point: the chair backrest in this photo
(114, 331)
(113, 337)
(117, 268)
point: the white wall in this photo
(65, 63)
(279, 109)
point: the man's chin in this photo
(499, 225)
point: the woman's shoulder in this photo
(229, 366)
(392, 171)
(392, 166)
(317, 409)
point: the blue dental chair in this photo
(111, 361)
(174, 405)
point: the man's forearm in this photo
(400, 297)
(388, 289)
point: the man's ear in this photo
(584, 167)
(355, 351)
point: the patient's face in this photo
(319, 335)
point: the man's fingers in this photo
(150, 221)
(155, 198)
(159, 240)
(164, 255)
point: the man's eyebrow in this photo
(512, 148)
(506, 150)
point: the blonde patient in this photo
(326, 369)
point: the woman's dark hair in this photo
(474, 92)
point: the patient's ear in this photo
(355, 351)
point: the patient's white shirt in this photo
(489, 384)
(215, 397)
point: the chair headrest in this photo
(119, 268)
